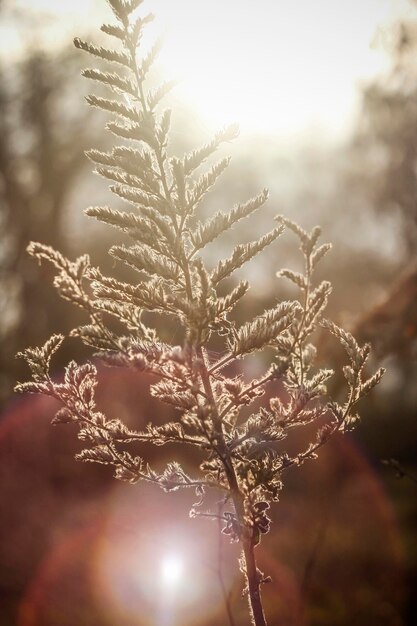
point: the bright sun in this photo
(172, 568)
(284, 67)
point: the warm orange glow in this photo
(103, 559)
(287, 67)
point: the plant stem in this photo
(251, 571)
(226, 595)
(252, 576)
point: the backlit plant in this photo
(244, 454)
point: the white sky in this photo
(283, 67)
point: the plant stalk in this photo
(252, 577)
(247, 540)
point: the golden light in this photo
(282, 67)
(277, 66)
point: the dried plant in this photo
(243, 451)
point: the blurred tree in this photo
(41, 156)
(386, 140)
(387, 134)
(384, 157)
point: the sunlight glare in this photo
(289, 68)
(172, 569)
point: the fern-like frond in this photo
(220, 222)
(242, 254)
(196, 158)
(264, 329)
(120, 84)
(112, 56)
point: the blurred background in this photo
(325, 94)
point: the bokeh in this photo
(326, 94)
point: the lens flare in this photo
(172, 569)
(130, 554)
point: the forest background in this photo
(348, 520)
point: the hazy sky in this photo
(286, 67)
